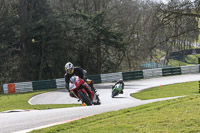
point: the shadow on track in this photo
(119, 97)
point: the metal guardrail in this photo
(132, 75)
(60, 83)
(171, 71)
(199, 86)
(44, 84)
(190, 69)
(150, 73)
(109, 77)
(96, 78)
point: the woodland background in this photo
(38, 37)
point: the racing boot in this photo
(93, 89)
(96, 100)
(121, 92)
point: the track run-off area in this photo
(26, 120)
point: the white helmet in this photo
(69, 67)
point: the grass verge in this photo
(177, 115)
(187, 88)
(20, 101)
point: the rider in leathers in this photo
(121, 82)
(70, 71)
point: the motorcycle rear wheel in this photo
(85, 98)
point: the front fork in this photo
(75, 94)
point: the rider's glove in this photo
(71, 94)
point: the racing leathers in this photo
(118, 82)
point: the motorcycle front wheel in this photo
(114, 93)
(85, 98)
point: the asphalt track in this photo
(26, 120)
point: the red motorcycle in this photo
(83, 92)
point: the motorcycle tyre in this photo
(114, 93)
(85, 98)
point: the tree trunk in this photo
(23, 18)
(42, 58)
(99, 63)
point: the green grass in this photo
(20, 101)
(188, 88)
(177, 63)
(159, 54)
(177, 115)
(189, 60)
(192, 59)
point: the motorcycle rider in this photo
(70, 71)
(120, 81)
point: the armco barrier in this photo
(5, 88)
(17, 87)
(109, 77)
(189, 69)
(60, 83)
(132, 75)
(95, 78)
(44, 84)
(150, 73)
(171, 71)
(23, 87)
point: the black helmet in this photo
(121, 81)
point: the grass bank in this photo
(188, 88)
(177, 115)
(20, 101)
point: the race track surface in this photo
(24, 121)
